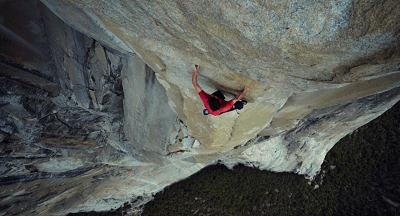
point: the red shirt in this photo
(225, 106)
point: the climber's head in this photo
(214, 104)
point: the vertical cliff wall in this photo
(297, 57)
(97, 105)
(63, 115)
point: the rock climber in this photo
(215, 103)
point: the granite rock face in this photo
(97, 105)
(63, 146)
(296, 56)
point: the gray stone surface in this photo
(148, 120)
(286, 51)
(303, 149)
(63, 145)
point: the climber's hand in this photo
(196, 69)
(240, 96)
(194, 78)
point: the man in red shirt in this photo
(215, 103)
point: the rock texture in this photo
(63, 146)
(97, 105)
(296, 56)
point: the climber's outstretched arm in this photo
(194, 79)
(240, 96)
